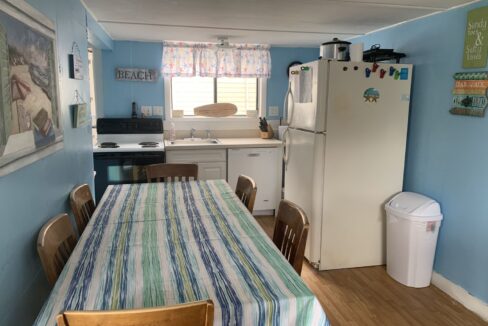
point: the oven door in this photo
(122, 167)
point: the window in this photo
(190, 92)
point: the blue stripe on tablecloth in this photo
(117, 266)
(221, 283)
(204, 187)
(178, 244)
(77, 294)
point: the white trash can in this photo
(413, 223)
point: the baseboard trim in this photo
(461, 295)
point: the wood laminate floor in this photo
(368, 296)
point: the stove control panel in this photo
(129, 126)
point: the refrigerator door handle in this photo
(289, 117)
(286, 150)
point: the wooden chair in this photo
(170, 172)
(290, 233)
(246, 191)
(55, 243)
(82, 205)
(200, 313)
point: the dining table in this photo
(159, 244)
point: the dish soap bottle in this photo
(134, 110)
(172, 132)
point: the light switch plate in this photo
(157, 110)
(146, 110)
(274, 111)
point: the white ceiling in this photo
(275, 22)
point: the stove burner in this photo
(108, 145)
(149, 144)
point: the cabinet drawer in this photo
(212, 171)
(196, 156)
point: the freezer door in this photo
(306, 95)
(365, 154)
(304, 168)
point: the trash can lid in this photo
(414, 206)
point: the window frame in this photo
(231, 122)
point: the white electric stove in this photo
(124, 148)
(108, 143)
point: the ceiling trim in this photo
(227, 28)
(384, 5)
(95, 17)
(418, 18)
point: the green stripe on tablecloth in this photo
(152, 278)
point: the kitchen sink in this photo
(195, 141)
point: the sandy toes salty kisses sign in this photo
(476, 39)
(136, 74)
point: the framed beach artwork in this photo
(29, 96)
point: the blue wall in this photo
(278, 83)
(447, 155)
(32, 195)
(118, 95)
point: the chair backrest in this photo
(246, 191)
(290, 233)
(82, 205)
(55, 243)
(170, 172)
(200, 313)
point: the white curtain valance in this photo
(182, 59)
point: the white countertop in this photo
(227, 143)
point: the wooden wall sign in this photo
(470, 93)
(136, 74)
(81, 115)
(476, 39)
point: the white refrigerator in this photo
(344, 155)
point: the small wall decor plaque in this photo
(81, 115)
(470, 93)
(75, 63)
(136, 74)
(476, 39)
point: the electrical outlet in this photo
(274, 111)
(157, 110)
(146, 110)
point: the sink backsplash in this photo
(244, 133)
(222, 133)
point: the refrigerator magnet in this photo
(397, 75)
(371, 95)
(375, 66)
(404, 74)
(382, 73)
(392, 71)
(367, 71)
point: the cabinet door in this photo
(263, 165)
(212, 171)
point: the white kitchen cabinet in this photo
(264, 165)
(212, 170)
(212, 163)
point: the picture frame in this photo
(30, 113)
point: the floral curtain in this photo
(182, 59)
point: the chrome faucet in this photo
(209, 134)
(192, 133)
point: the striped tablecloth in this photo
(166, 243)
